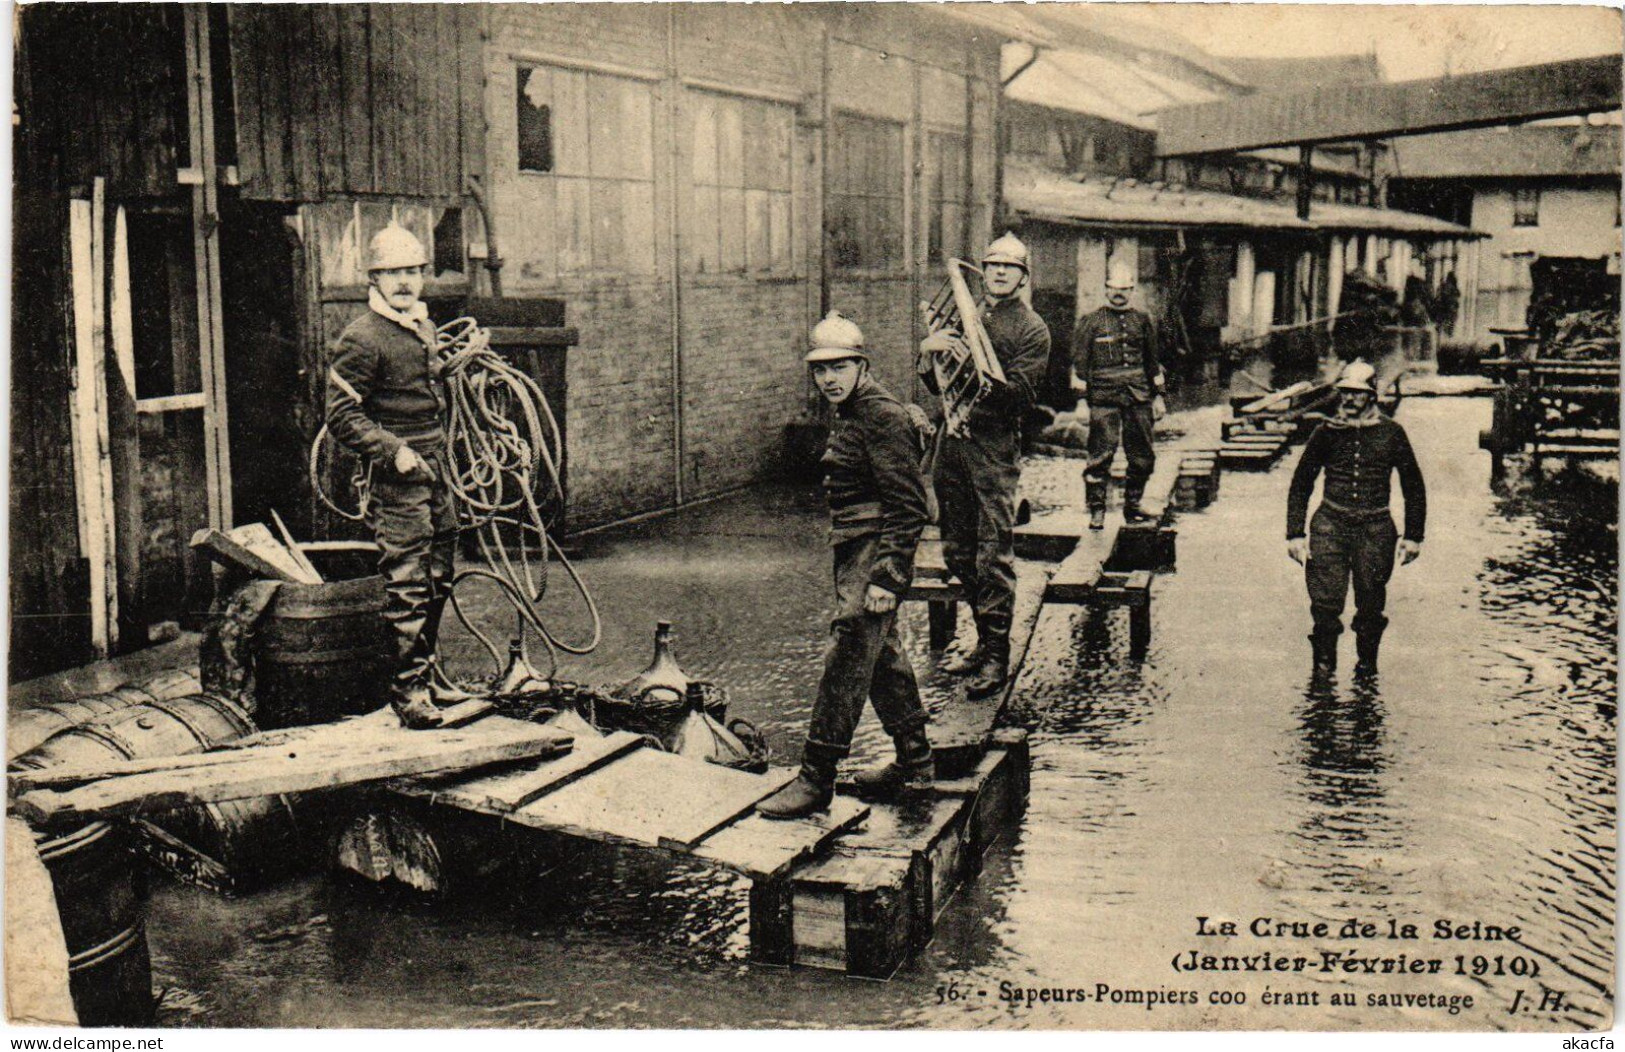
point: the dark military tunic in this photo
(877, 511)
(1116, 353)
(1352, 534)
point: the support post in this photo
(1306, 179)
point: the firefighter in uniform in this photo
(387, 402)
(877, 509)
(1116, 369)
(976, 474)
(1352, 534)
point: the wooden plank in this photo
(276, 100)
(222, 549)
(1338, 112)
(960, 731)
(1051, 536)
(1074, 580)
(384, 115)
(256, 537)
(242, 23)
(764, 848)
(272, 770)
(500, 794)
(355, 74)
(303, 64)
(651, 799)
(294, 551)
(328, 60)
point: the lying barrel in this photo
(30, 728)
(321, 652)
(228, 845)
(101, 896)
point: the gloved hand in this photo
(879, 601)
(409, 465)
(1298, 549)
(1408, 551)
(1159, 408)
(919, 419)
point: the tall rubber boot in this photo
(1367, 641)
(995, 667)
(1094, 495)
(1133, 493)
(966, 662)
(912, 771)
(812, 789)
(441, 689)
(409, 692)
(1324, 646)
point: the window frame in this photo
(890, 266)
(704, 175)
(1526, 206)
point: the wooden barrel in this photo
(30, 728)
(101, 896)
(229, 845)
(321, 652)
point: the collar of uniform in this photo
(412, 321)
(1370, 417)
(866, 388)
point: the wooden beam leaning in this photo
(1341, 112)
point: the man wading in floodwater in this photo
(877, 510)
(1352, 534)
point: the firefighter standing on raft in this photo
(977, 473)
(877, 509)
(387, 401)
(1352, 534)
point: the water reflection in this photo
(1344, 758)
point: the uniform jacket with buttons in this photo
(383, 389)
(1116, 353)
(1359, 460)
(873, 483)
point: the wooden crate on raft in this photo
(874, 900)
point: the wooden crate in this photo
(856, 912)
(996, 792)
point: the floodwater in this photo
(1473, 783)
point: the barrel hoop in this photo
(324, 657)
(107, 736)
(301, 612)
(74, 841)
(102, 952)
(225, 708)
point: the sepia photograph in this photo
(795, 516)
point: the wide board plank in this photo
(651, 799)
(269, 770)
(762, 848)
(509, 790)
(964, 724)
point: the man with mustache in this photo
(977, 473)
(877, 510)
(387, 402)
(1352, 534)
(1115, 368)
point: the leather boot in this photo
(1367, 641)
(414, 708)
(1133, 491)
(441, 689)
(994, 669)
(965, 662)
(812, 789)
(1324, 646)
(1094, 495)
(912, 771)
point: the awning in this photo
(1054, 198)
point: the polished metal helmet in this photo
(1120, 274)
(1007, 249)
(395, 247)
(1357, 376)
(834, 338)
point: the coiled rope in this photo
(503, 453)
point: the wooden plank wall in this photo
(396, 96)
(100, 92)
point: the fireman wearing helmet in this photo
(877, 509)
(1116, 368)
(387, 402)
(976, 474)
(1352, 534)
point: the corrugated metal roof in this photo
(1046, 196)
(1526, 151)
